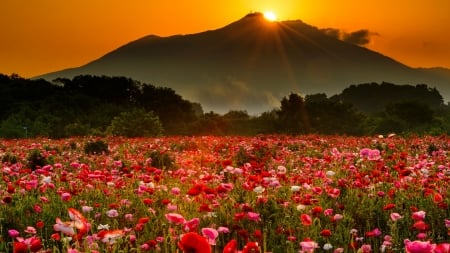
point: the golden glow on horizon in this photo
(47, 35)
(270, 15)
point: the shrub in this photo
(36, 159)
(96, 147)
(136, 123)
(9, 158)
(161, 160)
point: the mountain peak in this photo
(254, 15)
(252, 63)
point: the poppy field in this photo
(226, 194)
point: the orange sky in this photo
(40, 36)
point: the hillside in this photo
(252, 63)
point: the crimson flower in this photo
(194, 243)
(316, 210)
(325, 233)
(196, 190)
(40, 224)
(388, 206)
(143, 220)
(437, 198)
(306, 219)
(251, 247)
(442, 248)
(35, 244)
(20, 247)
(421, 226)
(230, 247)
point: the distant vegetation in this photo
(101, 105)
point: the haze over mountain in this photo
(252, 63)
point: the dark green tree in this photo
(293, 115)
(136, 123)
(328, 116)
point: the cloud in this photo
(332, 32)
(360, 37)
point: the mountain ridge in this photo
(250, 64)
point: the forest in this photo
(101, 105)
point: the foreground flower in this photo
(79, 222)
(306, 219)
(442, 248)
(419, 246)
(251, 247)
(308, 246)
(230, 247)
(211, 234)
(194, 243)
(110, 236)
(32, 244)
(175, 218)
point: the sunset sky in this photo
(41, 36)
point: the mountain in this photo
(252, 63)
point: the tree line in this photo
(100, 105)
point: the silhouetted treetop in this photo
(374, 97)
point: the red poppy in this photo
(7, 199)
(257, 234)
(56, 236)
(196, 190)
(194, 243)
(230, 247)
(148, 201)
(421, 226)
(251, 247)
(143, 220)
(40, 224)
(239, 216)
(20, 247)
(204, 208)
(388, 206)
(35, 244)
(316, 210)
(306, 219)
(325, 233)
(10, 188)
(437, 198)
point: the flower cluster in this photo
(228, 194)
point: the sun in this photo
(270, 15)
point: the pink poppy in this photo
(253, 216)
(175, 218)
(419, 246)
(308, 246)
(395, 216)
(191, 224)
(365, 248)
(211, 234)
(419, 215)
(13, 233)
